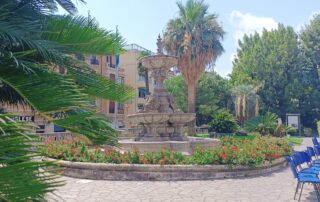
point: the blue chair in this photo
(317, 150)
(302, 158)
(311, 153)
(315, 141)
(303, 178)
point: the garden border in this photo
(141, 172)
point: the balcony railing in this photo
(94, 61)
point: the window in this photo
(142, 92)
(112, 77)
(80, 57)
(120, 108)
(120, 125)
(112, 107)
(58, 129)
(121, 79)
(141, 77)
(94, 60)
(140, 106)
(109, 61)
(40, 129)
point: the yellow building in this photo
(127, 73)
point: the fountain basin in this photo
(186, 147)
(148, 118)
(160, 126)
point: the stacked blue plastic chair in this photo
(303, 175)
(302, 158)
(312, 154)
(317, 150)
(315, 141)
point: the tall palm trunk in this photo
(192, 105)
(191, 96)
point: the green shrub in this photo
(264, 124)
(223, 122)
(307, 132)
(318, 126)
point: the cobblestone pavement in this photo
(278, 186)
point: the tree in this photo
(310, 43)
(274, 61)
(246, 102)
(143, 70)
(34, 43)
(213, 94)
(177, 87)
(195, 38)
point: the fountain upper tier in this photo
(159, 61)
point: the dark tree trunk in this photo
(146, 75)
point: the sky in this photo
(141, 21)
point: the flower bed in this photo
(231, 152)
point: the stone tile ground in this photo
(278, 186)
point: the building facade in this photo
(126, 69)
(123, 68)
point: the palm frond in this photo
(265, 124)
(96, 127)
(82, 35)
(21, 177)
(10, 96)
(45, 91)
(98, 86)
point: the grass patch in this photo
(295, 140)
(202, 135)
(238, 137)
(244, 137)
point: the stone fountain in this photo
(160, 124)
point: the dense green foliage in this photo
(223, 122)
(213, 94)
(264, 124)
(275, 61)
(233, 151)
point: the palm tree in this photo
(246, 102)
(33, 44)
(195, 38)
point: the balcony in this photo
(113, 66)
(94, 61)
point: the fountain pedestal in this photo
(160, 123)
